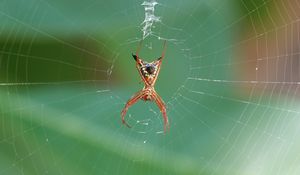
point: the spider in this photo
(149, 73)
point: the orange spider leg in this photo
(129, 103)
(160, 61)
(162, 107)
(164, 50)
(136, 57)
(139, 48)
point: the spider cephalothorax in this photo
(149, 73)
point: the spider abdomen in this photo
(150, 69)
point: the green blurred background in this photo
(230, 80)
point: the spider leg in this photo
(129, 103)
(136, 56)
(164, 51)
(162, 107)
(139, 48)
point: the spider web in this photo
(230, 80)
